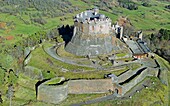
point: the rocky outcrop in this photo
(90, 46)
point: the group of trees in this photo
(146, 4)
(167, 6)
(37, 10)
(159, 43)
(129, 4)
(107, 5)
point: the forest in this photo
(159, 43)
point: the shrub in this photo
(168, 6)
(146, 4)
(128, 4)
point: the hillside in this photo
(32, 24)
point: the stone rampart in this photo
(57, 93)
(52, 93)
(127, 75)
(89, 86)
(147, 72)
(90, 46)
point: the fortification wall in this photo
(90, 86)
(51, 93)
(94, 27)
(90, 46)
(57, 93)
(127, 75)
(147, 72)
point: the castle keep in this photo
(92, 34)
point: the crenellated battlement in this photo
(91, 22)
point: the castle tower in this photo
(140, 34)
(92, 34)
(119, 31)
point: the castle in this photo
(92, 34)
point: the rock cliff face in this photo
(91, 46)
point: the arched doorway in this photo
(116, 91)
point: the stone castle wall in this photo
(127, 75)
(92, 35)
(89, 46)
(57, 93)
(90, 86)
(51, 93)
(94, 27)
(147, 72)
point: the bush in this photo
(128, 4)
(168, 6)
(146, 4)
(39, 20)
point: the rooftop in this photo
(143, 46)
(138, 47)
(89, 15)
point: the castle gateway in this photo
(92, 34)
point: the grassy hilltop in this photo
(24, 23)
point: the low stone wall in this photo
(127, 75)
(90, 86)
(147, 72)
(51, 93)
(57, 93)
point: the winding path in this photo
(52, 53)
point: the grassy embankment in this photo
(41, 60)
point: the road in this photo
(53, 54)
